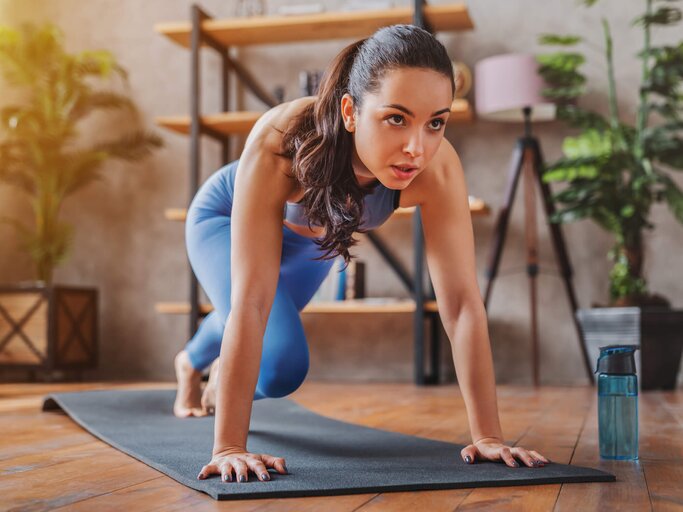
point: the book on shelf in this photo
(343, 284)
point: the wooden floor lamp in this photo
(508, 88)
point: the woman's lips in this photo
(403, 174)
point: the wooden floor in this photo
(47, 462)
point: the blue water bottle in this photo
(618, 402)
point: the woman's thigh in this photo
(208, 247)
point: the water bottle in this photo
(618, 402)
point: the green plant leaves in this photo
(661, 144)
(673, 196)
(37, 153)
(576, 117)
(554, 39)
(560, 72)
(131, 146)
(589, 143)
(662, 16)
(612, 172)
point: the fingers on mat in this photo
(507, 457)
(469, 454)
(207, 470)
(275, 462)
(226, 472)
(526, 457)
(241, 471)
(259, 469)
(538, 456)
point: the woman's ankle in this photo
(184, 363)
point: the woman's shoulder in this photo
(268, 131)
(264, 142)
(277, 119)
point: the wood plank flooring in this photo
(47, 462)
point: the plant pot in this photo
(48, 327)
(658, 332)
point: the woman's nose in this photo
(414, 146)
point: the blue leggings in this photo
(284, 360)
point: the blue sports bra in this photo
(378, 205)
(377, 208)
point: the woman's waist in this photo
(216, 193)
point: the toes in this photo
(182, 412)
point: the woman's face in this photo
(401, 125)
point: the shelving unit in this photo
(221, 34)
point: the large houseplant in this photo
(40, 156)
(615, 169)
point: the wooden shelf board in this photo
(315, 27)
(339, 306)
(233, 123)
(225, 122)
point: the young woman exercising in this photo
(262, 233)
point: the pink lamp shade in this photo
(505, 84)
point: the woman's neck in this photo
(365, 178)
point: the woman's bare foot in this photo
(209, 395)
(188, 397)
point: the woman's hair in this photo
(321, 148)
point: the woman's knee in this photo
(285, 358)
(280, 382)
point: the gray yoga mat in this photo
(325, 457)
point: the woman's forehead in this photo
(419, 90)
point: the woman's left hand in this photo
(493, 449)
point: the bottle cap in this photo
(617, 359)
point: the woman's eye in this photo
(395, 116)
(439, 124)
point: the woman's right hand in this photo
(235, 463)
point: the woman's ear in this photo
(347, 113)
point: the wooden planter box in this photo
(48, 327)
(658, 332)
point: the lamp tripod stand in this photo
(527, 158)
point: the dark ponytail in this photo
(321, 148)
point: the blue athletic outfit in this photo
(284, 361)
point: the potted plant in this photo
(43, 325)
(614, 171)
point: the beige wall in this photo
(124, 246)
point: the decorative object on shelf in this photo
(463, 79)
(248, 8)
(37, 156)
(289, 9)
(342, 283)
(279, 93)
(614, 170)
(355, 280)
(368, 5)
(508, 89)
(329, 288)
(309, 82)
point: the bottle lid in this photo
(617, 359)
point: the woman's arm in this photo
(449, 245)
(261, 190)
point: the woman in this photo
(262, 234)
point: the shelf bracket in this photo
(391, 260)
(419, 19)
(251, 82)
